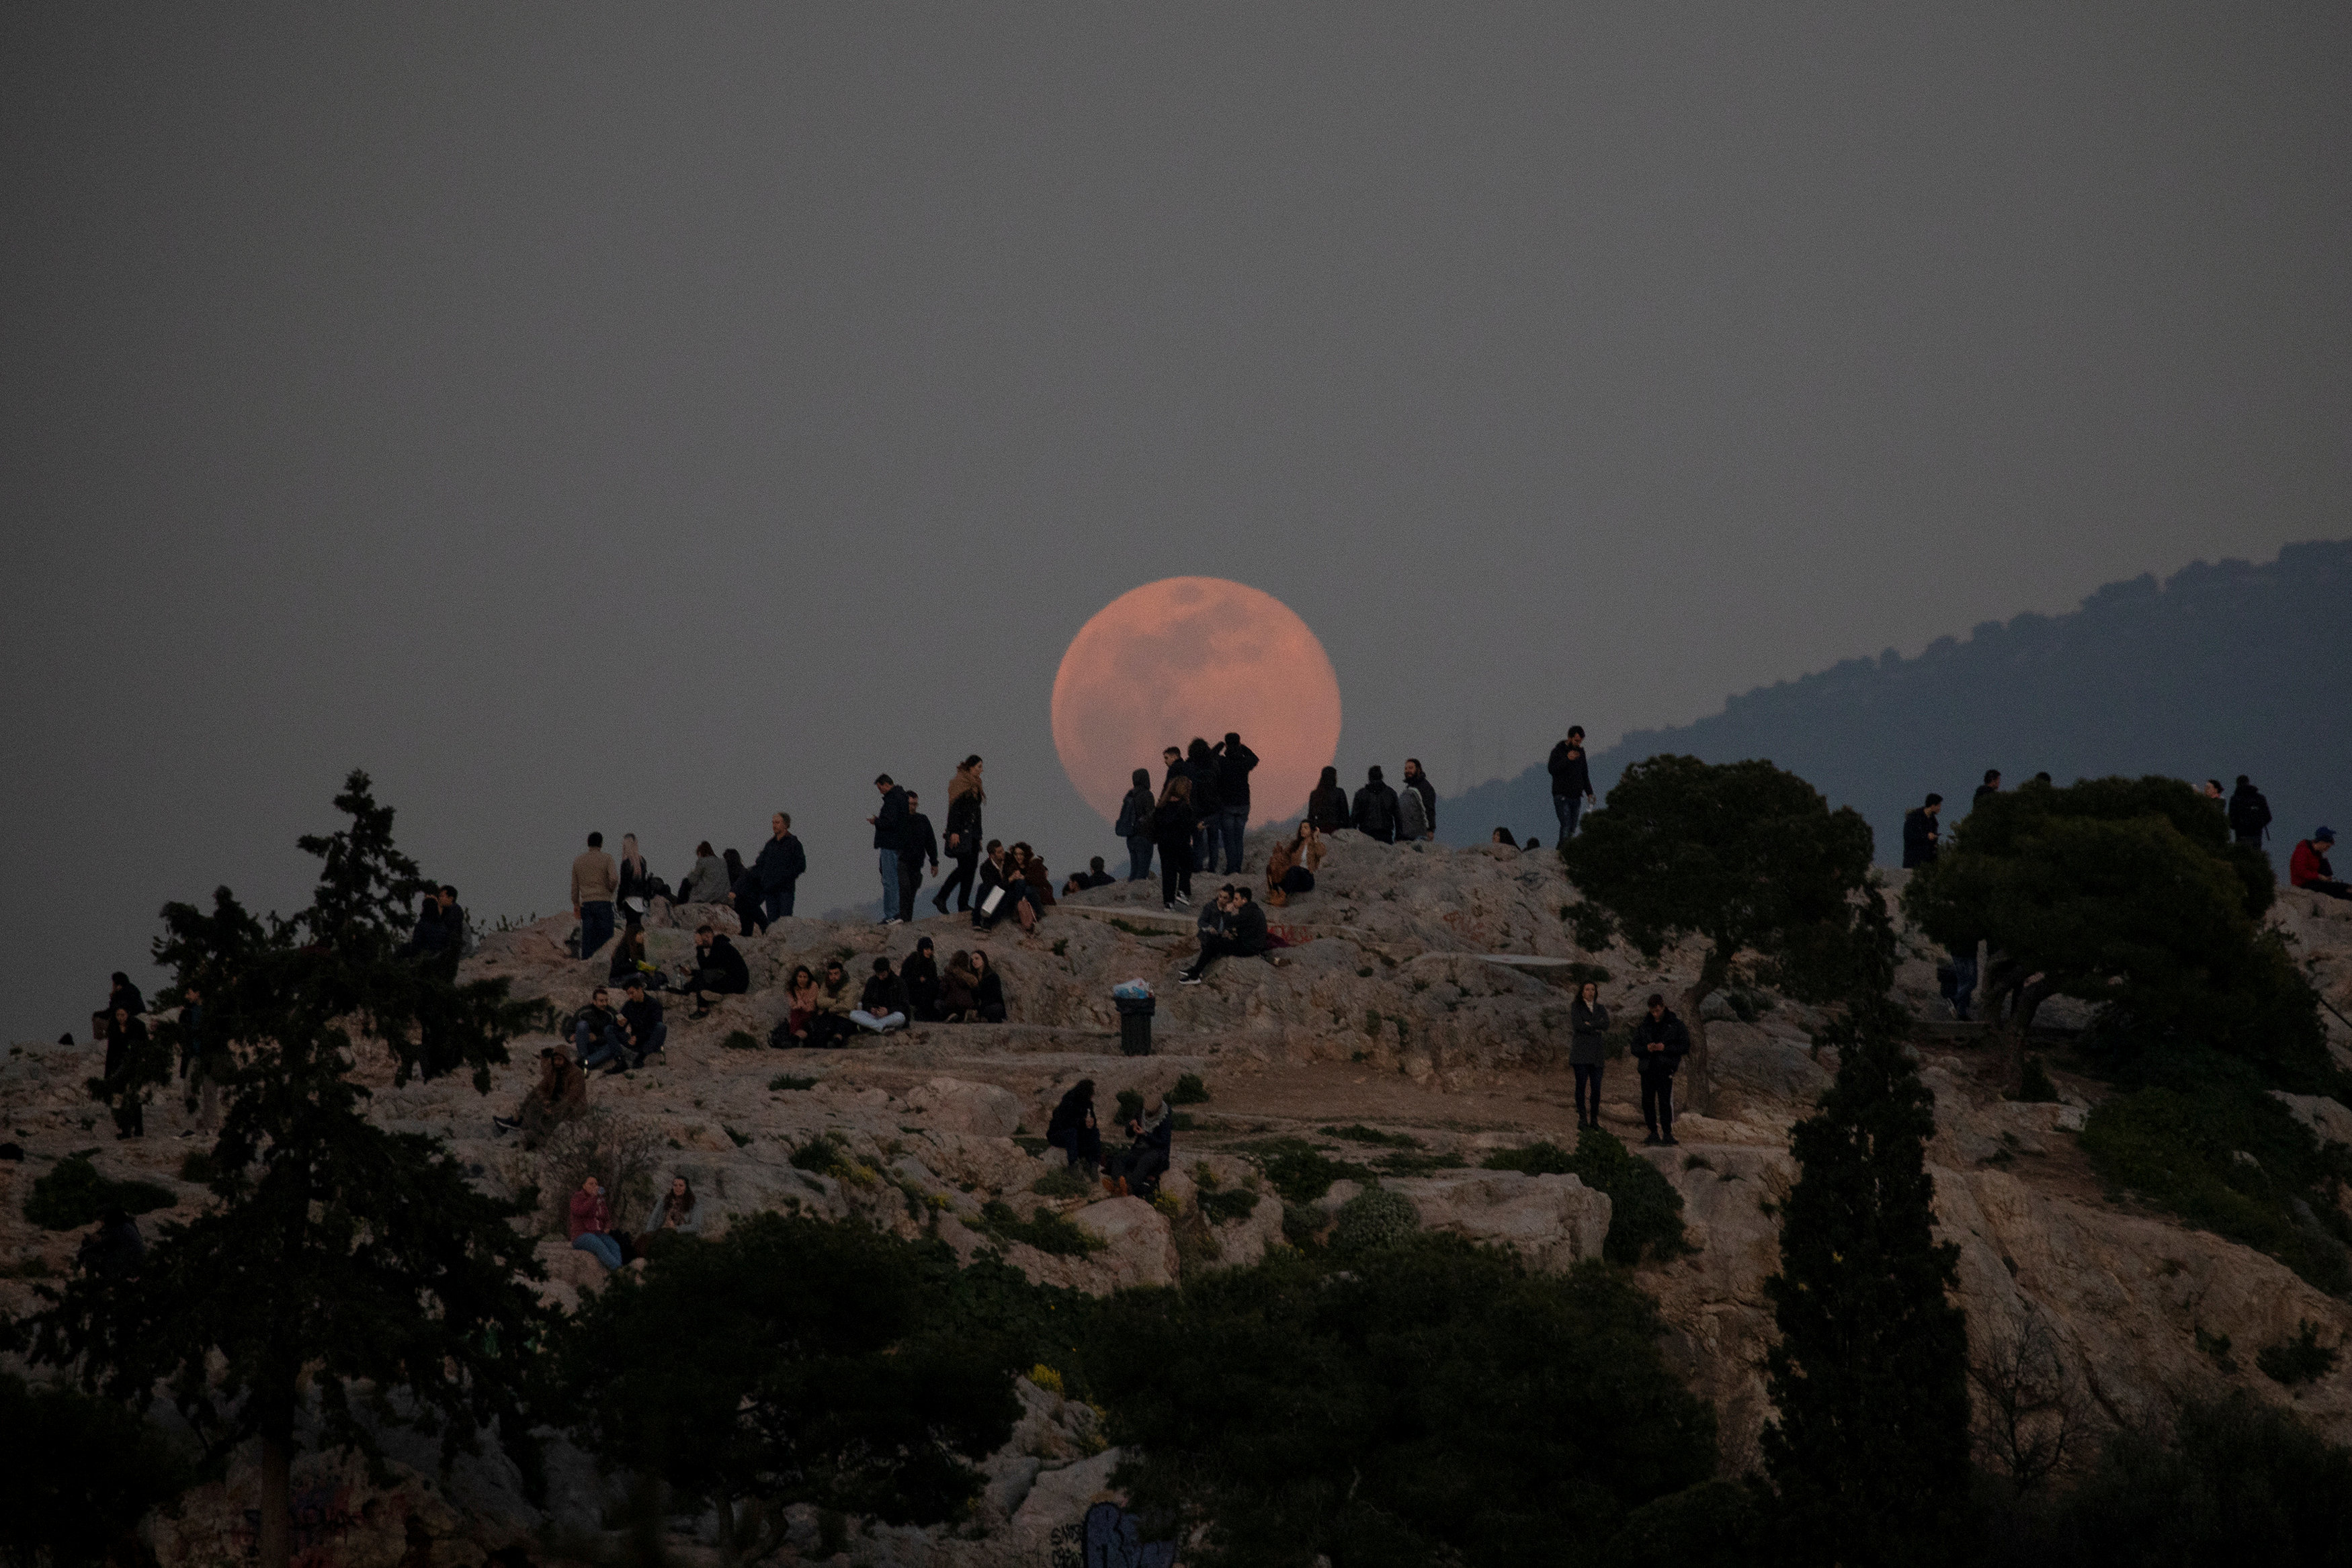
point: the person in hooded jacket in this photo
(2250, 814)
(1588, 1025)
(1375, 813)
(920, 974)
(1327, 806)
(123, 994)
(1416, 782)
(1073, 1131)
(962, 844)
(1134, 825)
(1172, 821)
(1234, 763)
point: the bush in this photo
(1070, 1181)
(1645, 1212)
(2180, 1152)
(72, 1195)
(81, 1472)
(1233, 1203)
(1373, 1218)
(197, 1166)
(2302, 1359)
(740, 1040)
(1189, 1090)
(1048, 1232)
(1299, 1171)
(1301, 1224)
(821, 1155)
(1356, 1133)
(786, 1083)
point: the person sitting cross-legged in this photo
(882, 1006)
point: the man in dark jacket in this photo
(1919, 834)
(1991, 786)
(719, 970)
(889, 823)
(1660, 1043)
(1234, 761)
(1134, 825)
(636, 1034)
(917, 845)
(778, 868)
(1571, 781)
(1375, 814)
(2250, 814)
(1244, 934)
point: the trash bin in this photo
(1135, 1024)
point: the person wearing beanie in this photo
(2308, 868)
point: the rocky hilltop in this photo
(1422, 1001)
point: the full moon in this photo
(1191, 656)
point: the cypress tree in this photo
(337, 1253)
(1870, 1376)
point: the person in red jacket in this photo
(2308, 868)
(591, 1225)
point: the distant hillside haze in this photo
(2222, 670)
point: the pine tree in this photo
(338, 1255)
(1870, 1376)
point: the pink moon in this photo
(1191, 656)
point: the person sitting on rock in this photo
(115, 1250)
(1214, 918)
(988, 989)
(561, 1093)
(2307, 867)
(1035, 881)
(1071, 1129)
(882, 1006)
(920, 974)
(1291, 865)
(834, 1003)
(1092, 877)
(588, 1025)
(801, 998)
(675, 1214)
(629, 951)
(637, 1034)
(1244, 936)
(591, 1223)
(1135, 1172)
(959, 988)
(719, 970)
(708, 882)
(1000, 893)
(1661, 1040)
(1375, 813)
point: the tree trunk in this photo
(2029, 997)
(1698, 1092)
(276, 1500)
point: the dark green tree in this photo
(1870, 1455)
(81, 1473)
(800, 1361)
(2127, 893)
(360, 1261)
(1749, 860)
(1439, 1404)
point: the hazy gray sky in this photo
(638, 419)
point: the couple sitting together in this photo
(675, 1214)
(1133, 1172)
(1231, 926)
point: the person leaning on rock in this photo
(1661, 1040)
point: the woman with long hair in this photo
(1327, 807)
(1291, 865)
(960, 844)
(988, 988)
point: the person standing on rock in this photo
(1134, 825)
(780, 867)
(1416, 783)
(128, 1072)
(1571, 781)
(888, 824)
(962, 843)
(1327, 806)
(595, 881)
(123, 994)
(1661, 1040)
(743, 893)
(917, 845)
(1233, 762)
(1413, 813)
(1172, 821)
(1201, 766)
(636, 877)
(2250, 814)
(1919, 845)
(1375, 813)
(1588, 1051)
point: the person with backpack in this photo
(1134, 825)
(2250, 814)
(1234, 764)
(2308, 868)
(962, 844)
(920, 974)
(1571, 781)
(1661, 1040)
(1376, 809)
(1172, 821)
